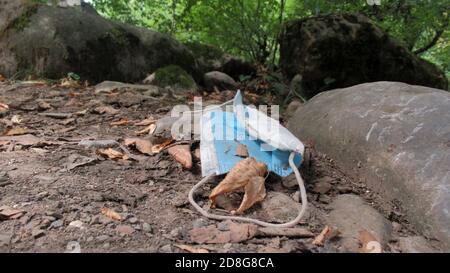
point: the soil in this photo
(62, 205)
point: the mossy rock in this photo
(174, 75)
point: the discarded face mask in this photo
(266, 140)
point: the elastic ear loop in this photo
(301, 209)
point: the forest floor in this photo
(59, 188)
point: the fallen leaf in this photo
(111, 214)
(142, 145)
(324, 235)
(112, 154)
(192, 249)
(145, 122)
(255, 191)
(2, 78)
(106, 110)
(16, 131)
(241, 150)
(156, 149)
(8, 213)
(238, 178)
(234, 233)
(4, 106)
(120, 122)
(369, 244)
(182, 154)
(150, 129)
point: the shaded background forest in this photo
(250, 28)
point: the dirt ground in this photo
(62, 202)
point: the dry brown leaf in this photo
(242, 174)
(255, 191)
(4, 106)
(150, 129)
(112, 154)
(111, 214)
(16, 131)
(192, 249)
(241, 150)
(145, 122)
(121, 122)
(182, 154)
(324, 235)
(156, 149)
(369, 243)
(142, 145)
(106, 110)
(2, 78)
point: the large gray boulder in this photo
(51, 41)
(219, 80)
(336, 51)
(396, 137)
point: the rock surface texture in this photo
(337, 51)
(396, 137)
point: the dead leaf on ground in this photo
(145, 122)
(2, 78)
(369, 244)
(156, 149)
(4, 106)
(245, 172)
(16, 131)
(182, 154)
(8, 213)
(241, 150)
(192, 249)
(121, 122)
(150, 129)
(111, 214)
(327, 233)
(255, 191)
(112, 154)
(106, 110)
(234, 233)
(142, 145)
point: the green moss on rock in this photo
(173, 75)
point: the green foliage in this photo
(250, 28)
(173, 75)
